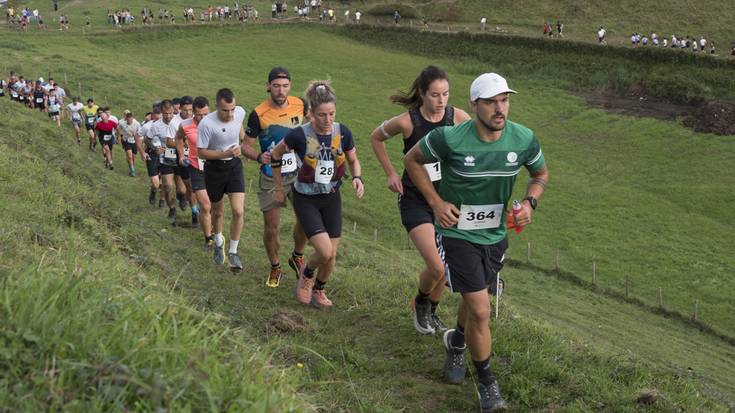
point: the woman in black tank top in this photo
(427, 104)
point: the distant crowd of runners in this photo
(454, 194)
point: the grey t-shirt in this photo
(217, 135)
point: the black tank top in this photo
(421, 127)
(38, 95)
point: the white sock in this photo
(219, 240)
(233, 246)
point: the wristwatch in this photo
(531, 200)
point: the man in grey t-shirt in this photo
(220, 135)
(160, 135)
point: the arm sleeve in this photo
(203, 136)
(434, 146)
(535, 157)
(295, 141)
(348, 141)
(253, 129)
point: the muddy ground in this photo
(702, 116)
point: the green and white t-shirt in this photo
(478, 176)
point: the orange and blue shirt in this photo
(270, 125)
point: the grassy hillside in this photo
(710, 18)
(612, 180)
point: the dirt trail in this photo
(702, 116)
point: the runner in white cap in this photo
(480, 160)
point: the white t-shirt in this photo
(158, 131)
(601, 33)
(129, 131)
(358, 15)
(217, 135)
(74, 109)
(483, 20)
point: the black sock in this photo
(276, 265)
(434, 305)
(295, 254)
(421, 297)
(319, 284)
(308, 272)
(484, 373)
(458, 337)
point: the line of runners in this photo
(454, 194)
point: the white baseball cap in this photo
(488, 85)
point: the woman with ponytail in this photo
(428, 108)
(323, 149)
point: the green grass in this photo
(616, 190)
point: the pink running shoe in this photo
(320, 300)
(304, 287)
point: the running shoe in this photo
(152, 198)
(172, 216)
(304, 288)
(422, 317)
(209, 245)
(194, 218)
(274, 278)
(219, 254)
(182, 203)
(320, 300)
(437, 323)
(79, 141)
(490, 399)
(112, 167)
(160, 203)
(455, 367)
(235, 264)
(296, 263)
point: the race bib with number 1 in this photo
(434, 170)
(324, 172)
(170, 153)
(473, 217)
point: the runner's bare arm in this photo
(356, 171)
(385, 131)
(460, 116)
(276, 159)
(141, 149)
(248, 150)
(535, 188)
(446, 213)
(180, 139)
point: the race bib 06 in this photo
(288, 163)
(324, 172)
(473, 217)
(434, 170)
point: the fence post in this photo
(375, 234)
(660, 298)
(354, 226)
(627, 285)
(594, 272)
(696, 310)
(528, 251)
